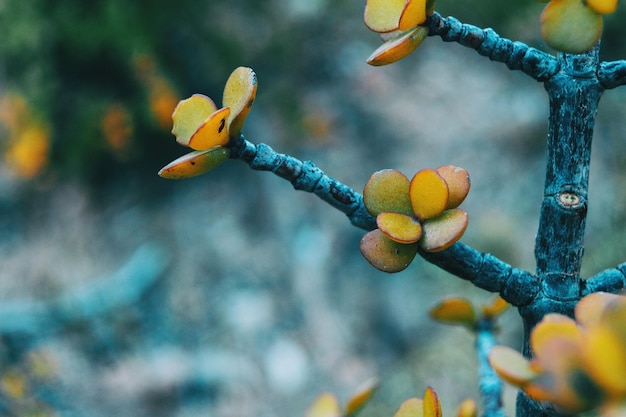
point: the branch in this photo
(489, 384)
(516, 55)
(612, 74)
(516, 286)
(609, 280)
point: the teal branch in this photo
(516, 55)
(490, 386)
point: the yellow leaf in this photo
(189, 115)
(194, 163)
(570, 26)
(326, 405)
(458, 181)
(213, 132)
(398, 47)
(358, 400)
(387, 191)
(454, 310)
(414, 14)
(413, 407)
(384, 15)
(602, 6)
(511, 365)
(442, 232)
(239, 94)
(399, 227)
(605, 358)
(550, 327)
(431, 403)
(429, 194)
(467, 408)
(590, 308)
(386, 255)
(497, 306)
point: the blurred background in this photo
(230, 294)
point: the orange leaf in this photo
(213, 132)
(431, 404)
(387, 191)
(442, 232)
(511, 365)
(189, 115)
(429, 194)
(326, 405)
(467, 408)
(454, 310)
(358, 400)
(553, 326)
(399, 227)
(414, 14)
(458, 181)
(497, 306)
(590, 308)
(386, 255)
(398, 47)
(413, 407)
(239, 94)
(194, 163)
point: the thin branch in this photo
(609, 280)
(516, 55)
(516, 286)
(490, 386)
(612, 74)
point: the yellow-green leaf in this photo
(429, 194)
(454, 310)
(239, 94)
(189, 115)
(213, 132)
(358, 400)
(399, 227)
(602, 6)
(458, 181)
(511, 365)
(570, 26)
(398, 47)
(387, 191)
(194, 163)
(413, 407)
(431, 403)
(386, 255)
(326, 405)
(442, 232)
(384, 15)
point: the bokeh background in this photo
(231, 294)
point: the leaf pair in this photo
(327, 404)
(399, 24)
(207, 129)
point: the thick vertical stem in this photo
(574, 95)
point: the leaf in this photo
(570, 26)
(455, 311)
(213, 132)
(590, 308)
(553, 326)
(467, 408)
(458, 181)
(497, 306)
(602, 6)
(189, 115)
(399, 227)
(398, 47)
(414, 14)
(358, 400)
(384, 15)
(428, 193)
(239, 95)
(413, 407)
(386, 255)
(326, 405)
(442, 232)
(511, 365)
(431, 403)
(387, 191)
(194, 163)
(605, 358)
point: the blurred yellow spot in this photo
(13, 384)
(117, 127)
(27, 154)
